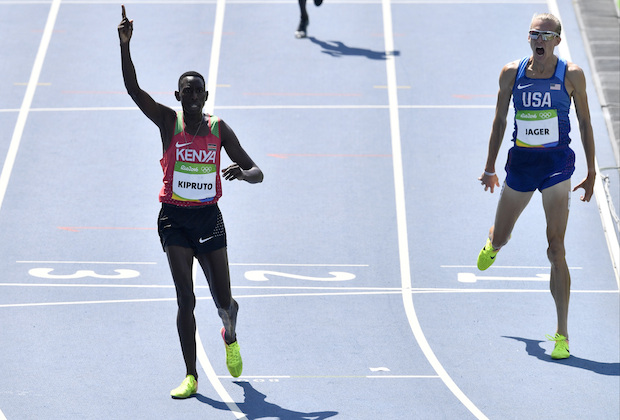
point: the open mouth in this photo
(540, 51)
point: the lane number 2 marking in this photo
(261, 275)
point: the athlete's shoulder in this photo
(575, 78)
(573, 69)
(508, 74)
(512, 66)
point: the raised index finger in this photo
(124, 15)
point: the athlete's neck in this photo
(542, 69)
(193, 121)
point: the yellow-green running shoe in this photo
(188, 387)
(233, 356)
(486, 258)
(560, 351)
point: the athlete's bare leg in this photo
(511, 205)
(215, 268)
(180, 260)
(556, 205)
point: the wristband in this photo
(489, 173)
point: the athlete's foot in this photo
(560, 350)
(318, 2)
(486, 258)
(233, 356)
(301, 31)
(188, 387)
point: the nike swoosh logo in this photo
(183, 144)
(523, 86)
(556, 174)
(202, 241)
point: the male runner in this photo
(542, 86)
(190, 223)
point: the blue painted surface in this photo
(84, 190)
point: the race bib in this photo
(537, 128)
(194, 181)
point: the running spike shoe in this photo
(486, 258)
(560, 351)
(233, 356)
(188, 387)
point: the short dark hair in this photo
(193, 74)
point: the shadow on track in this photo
(339, 49)
(255, 407)
(533, 348)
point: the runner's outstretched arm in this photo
(153, 110)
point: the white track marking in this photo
(261, 275)
(599, 191)
(401, 218)
(16, 139)
(18, 131)
(260, 107)
(214, 62)
(88, 262)
(215, 380)
(507, 266)
(279, 295)
(473, 278)
(211, 86)
(267, 377)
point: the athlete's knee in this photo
(556, 252)
(186, 301)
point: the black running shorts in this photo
(200, 228)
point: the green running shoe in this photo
(486, 258)
(233, 356)
(188, 387)
(560, 351)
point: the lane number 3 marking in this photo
(45, 273)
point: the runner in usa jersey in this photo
(541, 108)
(542, 86)
(190, 224)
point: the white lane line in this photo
(334, 291)
(259, 107)
(11, 155)
(268, 377)
(401, 217)
(18, 131)
(214, 62)
(231, 264)
(599, 191)
(215, 379)
(507, 266)
(257, 2)
(211, 86)
(289, 295)
(298, 265)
